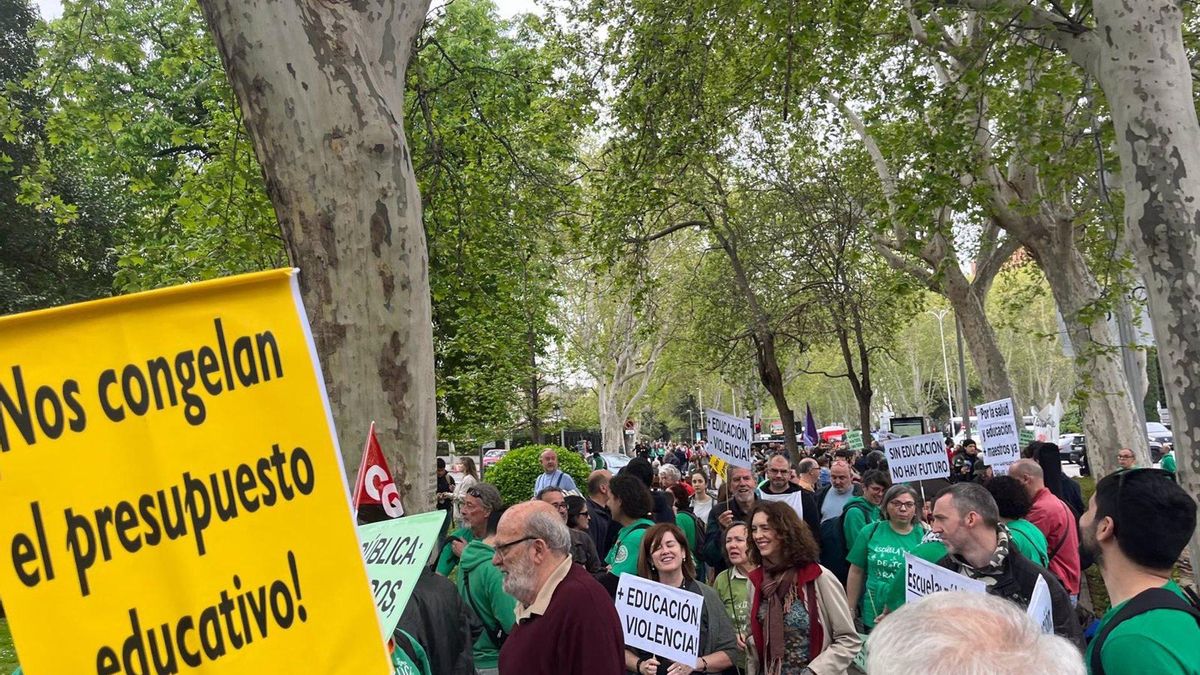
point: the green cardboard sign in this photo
(395, 552)
(1025, 437)
(855, 440)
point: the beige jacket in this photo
(841, 643)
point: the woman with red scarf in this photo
(799, 618)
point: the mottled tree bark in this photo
(321, 88)
(1147, 79)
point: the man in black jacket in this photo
(743, 496)
(439, 619)
(966, 517)
(600, 524)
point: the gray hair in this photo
(963, 633)
(550, 529)
(970, 497)
(669, 472)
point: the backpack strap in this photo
(496, 634)
(1147, 600)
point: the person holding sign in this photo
(665, 558)
(878, 553)
(800, 622)
(979, 547)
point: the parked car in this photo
(493, 456)
(1157, 433)
(1072, 447)
(615, 461)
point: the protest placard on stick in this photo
(729, 438)
(660, 619)
(917, 458)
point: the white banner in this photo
(1039, 607)
(917, 458)
(999, 435)
(794, 500)
(924, 578)
(729, 438)
(660, 619)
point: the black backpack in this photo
(1149, 599)
(833, 542)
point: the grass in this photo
(8, 654)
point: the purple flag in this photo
(810, 428)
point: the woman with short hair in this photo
(799, 618)
(877, 556)
(732, 584)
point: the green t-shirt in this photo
(623, 558)
(854, 519)
(1029, 541)
(879, 552)
(1161, 641)
(732, 588)
(930, 551)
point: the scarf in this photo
(995, 563)
(777, 587)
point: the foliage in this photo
(55, 244)
(135, 93)
(8, 653)
(515, 474)
(492, 133)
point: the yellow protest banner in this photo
(171, 493)
(719, 465)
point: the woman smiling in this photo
(665, 558)
(800, 621)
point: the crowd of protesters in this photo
(800, 561)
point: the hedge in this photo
(515, 474)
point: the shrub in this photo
(516, 472)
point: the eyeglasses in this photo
(904, 505)
(1124, 456)
(501, 548)
(585, 514)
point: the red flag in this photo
(374, 484)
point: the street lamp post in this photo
(941, 314)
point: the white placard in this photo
(794, 500)
(922, 578)
(660, 619)
(999, 435)
(1039, 607)
(729, 438)
(917, 458)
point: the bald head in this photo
(1029, 474)
(1026, 468)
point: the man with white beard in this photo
(566, 621)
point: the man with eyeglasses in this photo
(1125, 459)
(583, 549)
(1136, 525)
(979, 546)
(566, 621)
(478, 503)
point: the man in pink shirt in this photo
(1055, 519)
